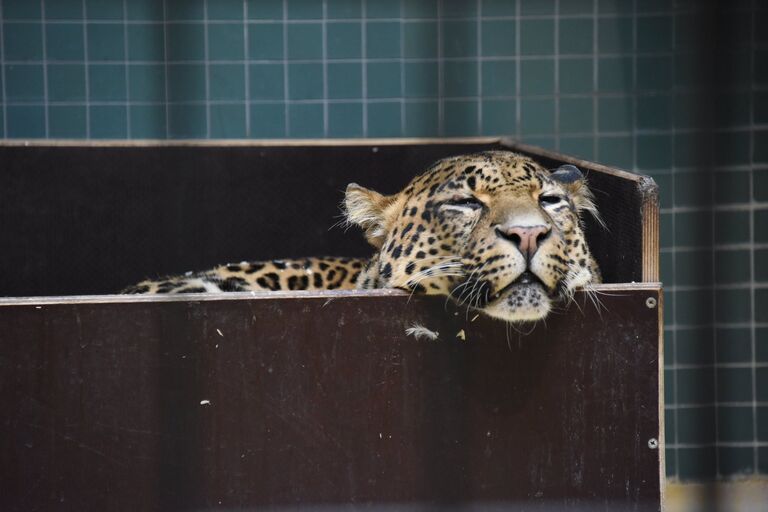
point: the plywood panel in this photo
(300, 401)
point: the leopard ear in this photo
(567, 174)
(575, 183)
(369, 210)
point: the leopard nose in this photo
(526, 238)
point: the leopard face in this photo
(495, 231)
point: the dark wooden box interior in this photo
(77, 220)
(303, 401)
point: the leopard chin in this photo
(522, 303)
(524, 300)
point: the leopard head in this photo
(495, 231)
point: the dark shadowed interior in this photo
(84, 219)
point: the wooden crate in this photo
(302, 400)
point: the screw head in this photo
(651, 302)
(653, 443)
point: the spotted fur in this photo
(319, 273)
(495, 231)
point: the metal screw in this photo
(650, 302)
(653, 443)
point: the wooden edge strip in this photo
(505, 142)
(313, 294)
(578, 162)
(119, 143)
(649, 215)
(662, 428)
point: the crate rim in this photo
(508, 142)
(268, 295)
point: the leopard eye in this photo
(464, 203)
(549, 199)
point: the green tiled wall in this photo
(622, 82)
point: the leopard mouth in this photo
(526, 298)
(525, 280)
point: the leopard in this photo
(494, 231)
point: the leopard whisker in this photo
(444, 269)
(466, 282)
(593, 296)
(467, 296)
